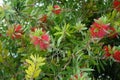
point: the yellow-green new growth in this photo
(33, 69)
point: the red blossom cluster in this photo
(15, 32)
(116, 55)
(42, 41)
(101, 30)
(112, 32)
(56, 9)
(109, 52)
(98, 30)
(116, 5)
(44, 18)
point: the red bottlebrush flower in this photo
(116, 5)
(113, 33)
(35, 40)
(43, 41)
(17, 32)
(56, 10)
(98, 30)
(107, 51)
(45, 37)
(44, 18)
(16, 35)
(18, 28)
(116, 56)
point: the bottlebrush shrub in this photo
(68, 38)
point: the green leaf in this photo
(2, 13)
(59, 40)
(58, 33)
(86, 69)
(36, 74)
(29, 62)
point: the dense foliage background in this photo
(60, 40)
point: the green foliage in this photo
(71, 50)
(33, 70)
